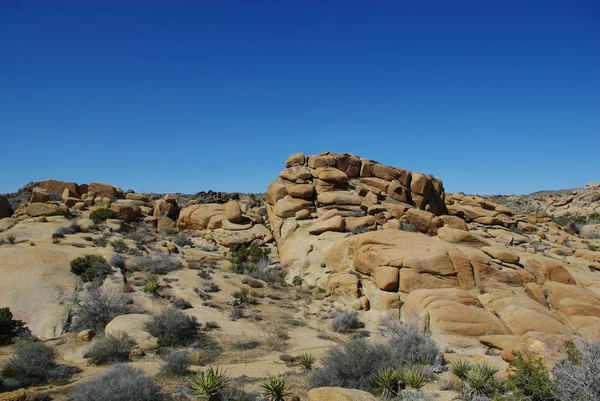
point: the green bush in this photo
(275, 388)
(8, 326)
(101, 214)
(210, 384)
(176, 363)
(245, 259)
(173, 328)
(529, 380)
(90, 267)
(112, 348)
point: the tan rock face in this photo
(297, 159)
(126, 210)
(233, 211)
(44, 209)
(339, 394)
(287, 207)
(101, 189)
(58, 187)
(134, 326)
(501, 254)
(197, 217)
(39, 196)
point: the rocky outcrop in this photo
(104, 190)
(5, 209)
(339, 394)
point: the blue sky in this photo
(491, 96)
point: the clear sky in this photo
(178, 96)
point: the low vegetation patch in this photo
(245, 259)
(102, 214)
(173, 328)
(157, 262)
(345, 321)
(96, 307)
(33, 364)
(90, 267)
(121, 383)
(176, 363)
(112, 348)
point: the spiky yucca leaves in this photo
(415, 376)
(208, 384)
(152, 284)
(388, 382)
(460, 368)
(307, 361)
(481, 381)
(275, 388)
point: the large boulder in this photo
(339, 394)
(105, 190)
(233, 211)
(126, 210)
(133, 325)
(197, 217)
(39, 196)
(44, 209)
(58, 187)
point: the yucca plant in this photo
(388, 382)
(480, 381)
(415, 377)
(460, 368)
(152, 284)
(208, 384)
(11, 239)
(307, 361)
(275, 388)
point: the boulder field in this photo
(383, 240)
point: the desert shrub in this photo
(31, 364)
(176, 363)
(243, 296)
(577, 376)
(182, 240)
(245, 258)
(100, 242)
(121, 383)
(117, 261)
(236, 313)
(181, 304)
(173, 328)
(407, 344)
(269, 274)
(344, 321)
(351, 365)
(11, 239)
(407, 227)
(169, 231)
(90, 267)
(416, 395)
(9, 327)
(101, 214)
(111, 348)
(210, 384)
(275, 388)
(96, 307)
(388, 382)
(68, 230)
(246, 345)
(253, 283)
(157, 262)
(119, 246)
(529, 379)
(211, 287)
(357, 231)
(141, 235)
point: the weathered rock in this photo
(163, 222)
(335, 223)
(233, 211)
(126, 210)
(296, 173)
(323, 160)
(331, 174)
(165, 208)
(339, 198)
(304, 191)
(424, 221)
(454, 222)
(134, 326)
(501, 254)
(339, 394)
(297, 159)
(115, 225)
(57, 187)
(197, 217)
(461, 237)
(85, 335)
(137, 197)
(288, 206)
(67, 193)
(101, 189)
(44, 209)
(39, 196)
(71, 202)
(85, 224)
(547, 269)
